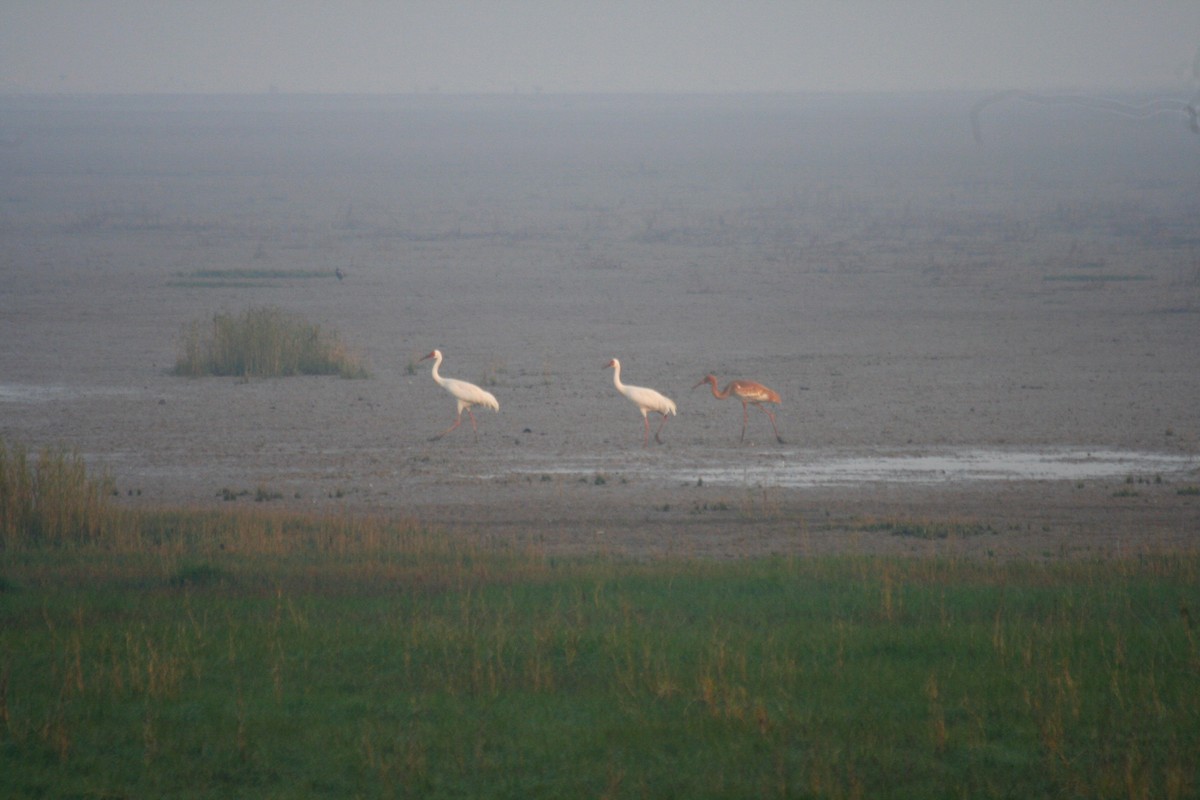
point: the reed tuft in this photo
(264, 342)
(50, 499)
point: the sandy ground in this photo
(909, 292)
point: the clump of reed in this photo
(50, 498)
(50, 504)
(264, 342)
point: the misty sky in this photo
(131, 46)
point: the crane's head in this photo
(434, 354)
(706, 379)
(613, 364)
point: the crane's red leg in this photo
(471, 414)
(646, 435)
(660, 427)
(457, 422)
(745, 419)
(771, 416)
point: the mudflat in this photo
(983, 347)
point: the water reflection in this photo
(813, 468)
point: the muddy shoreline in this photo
(913, 295)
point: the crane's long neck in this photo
(437, 362)
(616, 368)
(719, 395)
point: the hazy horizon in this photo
(670, 47)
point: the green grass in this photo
(1076, 277)
(243, 278)
(482, 674)
(264, 342)
(261, 653)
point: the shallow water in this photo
(839, 467)
(43, 393)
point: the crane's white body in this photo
(467, 395)
(645, 399)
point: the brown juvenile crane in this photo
(750, 393)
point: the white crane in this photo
(467, 395)
(645, 399)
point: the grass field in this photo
(264, 654)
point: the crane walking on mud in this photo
(645, 399)
(750, 393)
(467, 394)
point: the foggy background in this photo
(927, 225)
(221, 46)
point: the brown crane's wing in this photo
(753, 392)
